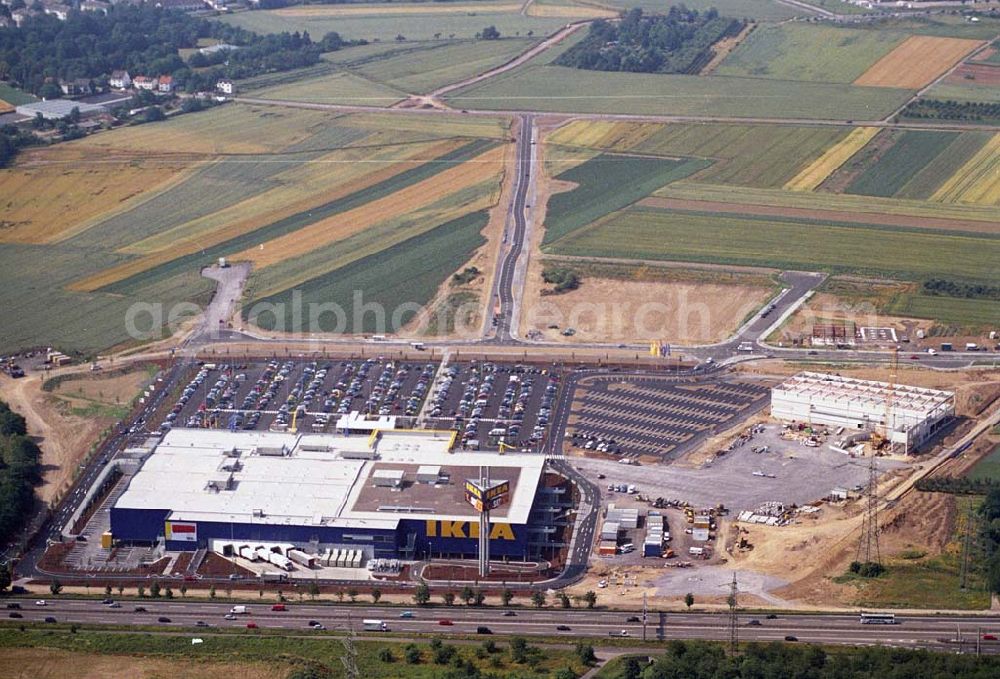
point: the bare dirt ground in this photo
(63, 437)
(724, 48)
(829, 308)
(615, 310)
(980, 74)
(49, 663)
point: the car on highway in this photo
(406, 614)
(163, 618)
(14, 614)
(771, 616)
(139, 609)
(445, 621)
(989, 637)
(114, 604)
(107, 601)
(633, 618)
(791, 637)
(229, 616)
(482, 629)
(251, 625)
(754, 623)
(279, 607)
(313, 623)
(41, 602)
(562, 628)
(509, 614)
(623, 633)
(201, 623)
(319, 627)
(49, 618)
(14, 605)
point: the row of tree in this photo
(20, 472)
(946, 288)
(679, 41)
(145, 40)
(956, 485)
(949, 109)
(990, 513)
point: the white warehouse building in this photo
(914, 414)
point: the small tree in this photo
(229, 591)
(518, 649)
(340, 595)
(313, 590)
(538, 598)
(590, 598)
(184, 590)
(412, 654)
(585, 652)
(353, 594)
(478, 597)
(376, 594)
(211, 592)
(689, 600)
(154, 590)
(448, 598)
(422, 595)
(564, 600)
(55, 587)
(121, 589)
(564, 673)
(467, 595)
(506, 596)
(169, 593)
(385, 655)
(141, 591)
(107, 590)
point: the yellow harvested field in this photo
(250, 221)
(49, 193)
(603, 134)
(6, 107)
(978, 181)
(816, 172)
(421, 194)
(917, 61)
(383, 9)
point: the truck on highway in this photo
(239, 610)
(374, 626)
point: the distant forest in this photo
(20, 472)
(144, 40)
(679, 41)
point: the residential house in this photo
(166, 84)
(56, 9)
(144, 82)
(181, 5)
(225, 86)
(21, 15)
(221, 47)
(120, 80)
(219, 5)
(76, 87)
(95, 6)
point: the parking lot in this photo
(658, 417)
(311, 395)
(494, 403)
(488, 403)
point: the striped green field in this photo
(14, 96)
(912, 151)
(936, 172)
(340, 87)
(557, 88)
(967, 313)
(644, 233)
(815, 52)
(393, 284)
(607, 183)
(753, 9)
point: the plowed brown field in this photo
(916, 62)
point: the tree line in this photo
(145, 40)
(708, 660)
(946, 288)
(679, 41)
(20, 472)
(949, 109)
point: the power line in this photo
(868, 545)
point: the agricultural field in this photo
(911, 152)
(606, 183)
(415, 22)
(418, 68)
(81, 245)
(956, 311)
(815, 52)
(987, 468)
(917, 62)
(762, 241)
(832, 159)
(753, 9)
(556, 88)
(336, 88)
(978, 181)
(13, 96)
(744, 155)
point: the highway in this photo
(917, 631)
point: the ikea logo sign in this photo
(467, 529)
